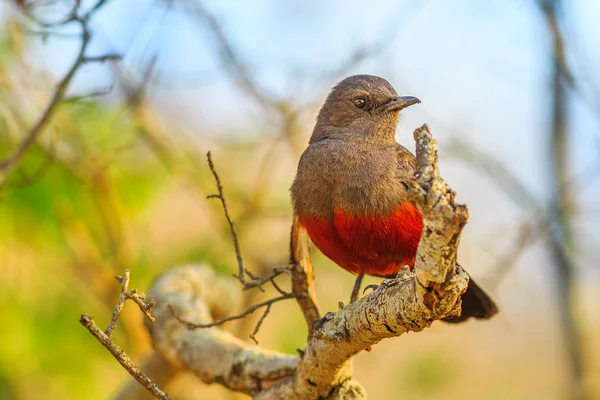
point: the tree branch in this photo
(410, 302)
(215, 356)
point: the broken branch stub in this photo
(443, 221)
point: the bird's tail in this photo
(476, 304)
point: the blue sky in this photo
(481, 69)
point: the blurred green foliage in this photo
(429, 372)
(82, 205)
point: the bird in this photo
(350, 192)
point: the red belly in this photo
(370, 244)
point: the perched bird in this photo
(350, 192)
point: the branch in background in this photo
(487, 163)
(411, 302)
(91, 95)
(104, 337)
(559, 53)
(526, 237)
(516, 191)
(11, 161)
(40, 171)
(231, 61)
(215, 356)
(561, 233)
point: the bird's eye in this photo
(359, 102)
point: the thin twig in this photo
(124, 280)
(137, 298)
(258, 281)
(122, 358)
(259, 323)
(248, 311)
(236, 244)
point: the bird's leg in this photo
(356, 289)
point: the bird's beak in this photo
(399, 103)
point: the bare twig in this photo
(127, 294)
(104, 337)
(122, 357)
(236, 244)
(124, 280)
(259, 323)
(248, 311)
(255, 281)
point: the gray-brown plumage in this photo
(350, 190)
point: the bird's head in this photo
(361, 106)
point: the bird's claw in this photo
(371, 286)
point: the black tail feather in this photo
(476, 304)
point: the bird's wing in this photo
(406, 166)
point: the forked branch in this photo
(104, 337)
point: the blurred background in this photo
(116, 177)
